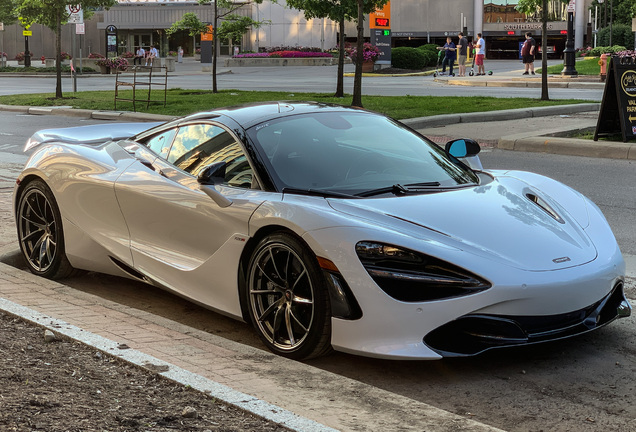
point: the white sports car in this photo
(326, 227)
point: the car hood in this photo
(507, 219)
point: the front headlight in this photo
(412, 276)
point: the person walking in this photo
(527, 53)
(480, 54)
(450, 53)
(462, 52)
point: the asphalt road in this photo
(583, 384)
(321, 79)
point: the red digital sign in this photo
(564, 32)
(510, 33)
(382, 22)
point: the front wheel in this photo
(40, 232)
(287, 296)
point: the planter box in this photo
(269, 61)
(168, 62)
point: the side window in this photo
(197, 146)
(161, 143)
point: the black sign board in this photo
(618, 108)
(382, 39)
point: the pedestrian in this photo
(480, 48)
(527, 53)
(140, 54)
(450, 53)
(462, 52)
(153, 53)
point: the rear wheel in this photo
(40, 232)
(287, 296)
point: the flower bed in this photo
(284, 54)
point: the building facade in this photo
(136, 23)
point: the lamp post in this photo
(569, 52)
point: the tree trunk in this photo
(544, 51)
(214, 39)
(58, 53)
(357, 81)
(341, 56)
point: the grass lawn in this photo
(182, 102)
(583, 67)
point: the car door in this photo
(180, 237)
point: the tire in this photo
(40, 232)
(287, 298)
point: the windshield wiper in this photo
(317, 192)
(398, 189)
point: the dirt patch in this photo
(63, 385)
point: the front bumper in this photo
(475, 333)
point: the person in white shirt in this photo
(480, 48)
(153, 53)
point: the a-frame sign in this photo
(618, 108)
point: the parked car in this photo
(326, 227)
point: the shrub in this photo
(410, 58)
(113, 63)
(369, 52)
(65, 56)
(96, 56)
(621, 35)
(428, 47)
(20, 56)
(128, 55)
(596, 52)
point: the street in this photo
(321, 79)
(582, 384)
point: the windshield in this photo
(353, 153)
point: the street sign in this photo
(27, 33)
(1, 26)
(571, 6)
(76, 14)
(80, 29)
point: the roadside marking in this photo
(6, 134)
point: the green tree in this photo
(222, 8)
(190, 23)
(52, 14)
(620, 11)
(341, 11)
(531, 7)
(7, 12)
(234, 27)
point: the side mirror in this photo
(461, 148)
(212, 174)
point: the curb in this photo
(520, 83)
(89, 114)
(569, 146)
(174, 373)
(445, 119)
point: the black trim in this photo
(473, 334)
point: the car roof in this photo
(248, 115)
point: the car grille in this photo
(473, 334)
